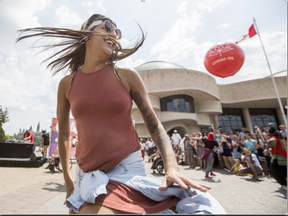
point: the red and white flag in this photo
(249, 34)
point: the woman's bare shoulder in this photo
(126, 71)
(67, 79)
(64, 84)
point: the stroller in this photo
(158, 165)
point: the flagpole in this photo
(274, 83)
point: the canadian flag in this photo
(249, 34)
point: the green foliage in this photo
(37, 141)
(18, 137)
(3, 116)
(7, 137)
(2, 134)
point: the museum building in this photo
(190, 101)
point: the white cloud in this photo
(182, 7)
(91, 7)
(224, 25)
(210, 5)
(180, 41)
(199, 53)
(130, 63)
(65, 17)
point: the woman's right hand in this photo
(69, 183)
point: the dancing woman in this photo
(111, 176)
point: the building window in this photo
(231, 119)
(178, 103)
(261, 117)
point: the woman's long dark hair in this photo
(73, 55)
(275, 133)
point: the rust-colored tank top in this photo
(101, 107)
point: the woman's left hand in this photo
(174, 176)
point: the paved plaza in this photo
(38, 191)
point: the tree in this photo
(2, 135)
(3, 116)
(3, 119)
(7, 137)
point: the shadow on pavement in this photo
(212, 180)
(284, 193)
(52, 186)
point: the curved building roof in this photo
(279, 74)
(153, 65)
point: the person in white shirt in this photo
(253, 165)
(152, 147)
(283, 131)
(176, 138)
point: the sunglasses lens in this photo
(109, 28)
(118, 33)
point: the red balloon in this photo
(224, 60)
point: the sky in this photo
(180, 32)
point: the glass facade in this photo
(261, 117)
(231, 118)
(178, 103)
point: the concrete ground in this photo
(38, 191)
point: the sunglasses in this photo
(108, 26)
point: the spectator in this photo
(253, 165)
(146, 147)
(220, 129)
(28, 136)
(235, 146)
(200, 149)
(210, 144)
(190, 149)
(177, 152)
(230, 136)
(266, 140)
(45, 142)
(152, 147)
(236, 167)
(261, 157)
(278, 164)
(227, 155)
(217, 135)
(250, 143)
(176, 138)
(242, 133)
(142, 143)
(283, 131)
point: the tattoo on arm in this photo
(157, 133)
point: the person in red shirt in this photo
(28, 136)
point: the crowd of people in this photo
(261, 152)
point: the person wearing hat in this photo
(176, 138)
(28, 136)
(45, 142)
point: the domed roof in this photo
(279, 74)
(153, 65)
